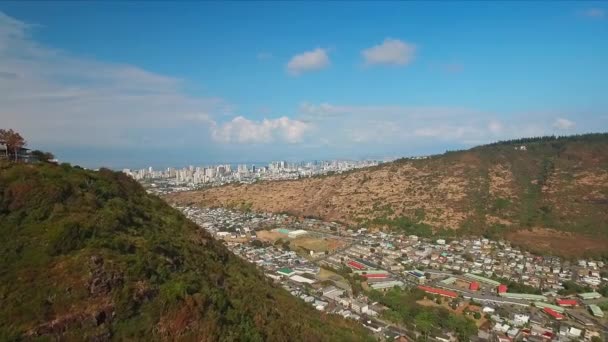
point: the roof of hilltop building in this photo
(482, 279)
(525, 296)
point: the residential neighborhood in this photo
(518, 296)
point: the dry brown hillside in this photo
(554, 183)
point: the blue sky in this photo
(131, 84)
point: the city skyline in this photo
(131, 85)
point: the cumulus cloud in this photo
(563, 124)
(391, 51)
(316, 59)
(596, 13)
(242, 130)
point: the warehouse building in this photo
(386, 285)
(481, 279)
(553, 314)
(440, 292)
(589, 295)
(542, 305)
(596, 311)
(566, 302)
(524, 296)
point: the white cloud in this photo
(316, 59)
(391, 51)
(242, 130)
(596, 13)
(55, 98)
(564, 124)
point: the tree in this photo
(477, 315)
(41, 156)
(424, 322)
(13, 141)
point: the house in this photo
(21, 154)
(358, 306)
(416, 276)
(520, 319)
(574, 332)
(488, 309)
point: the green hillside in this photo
(90, 256)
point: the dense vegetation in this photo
(430, 321)
(91, 256)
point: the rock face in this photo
(101, 281)
(559, 183)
